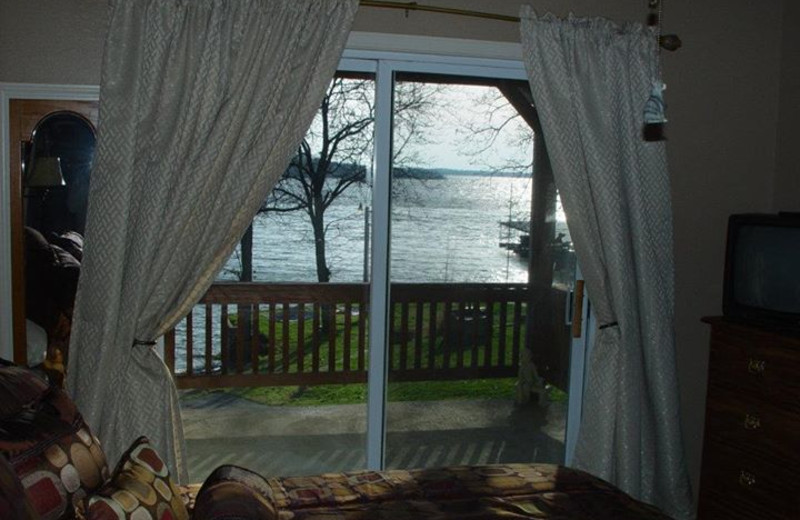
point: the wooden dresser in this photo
(751, 455)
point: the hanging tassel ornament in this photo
(654, 107)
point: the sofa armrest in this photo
(234, 493)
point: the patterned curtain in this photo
(202, 103)
(590, 80)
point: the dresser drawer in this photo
(751, 455)
(759, 372)
(748, 425)
(740, 486)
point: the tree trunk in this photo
(323, 273)
(247, 255)
(318, 224)
(244, 319)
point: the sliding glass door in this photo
(404, 297)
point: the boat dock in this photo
(522, 245)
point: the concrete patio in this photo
(286, 440)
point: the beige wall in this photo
(52, 41)
(787, 173)
(722, 99)
(723, 90)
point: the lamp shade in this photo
(46, 173)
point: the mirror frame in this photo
(80, 98)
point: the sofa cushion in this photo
(234, 493)
(140, 488)
(49, 446)
(500, 491)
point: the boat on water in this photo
(520, 246)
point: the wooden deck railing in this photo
(258, 334)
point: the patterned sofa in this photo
(52, 467)
(510, 491)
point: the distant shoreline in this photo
(479, 173)
(443, 173)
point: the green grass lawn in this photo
(357, 393)
(431, 349)
(328, 394)
(322, 395)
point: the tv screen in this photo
(762, 279)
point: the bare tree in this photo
(331, 159)
(499, 114)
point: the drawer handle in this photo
(752, 422)
(756, 366)
(746, 479)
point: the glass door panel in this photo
(272, 363)
(480, 268)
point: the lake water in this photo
(443, 230)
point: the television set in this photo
(762, 269)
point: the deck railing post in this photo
(301, 337)
(224, 343)
(209, 353)
(189, 343)
(255, 337)
(169, 351)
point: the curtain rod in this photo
(670, 42)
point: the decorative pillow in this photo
(49, 446)
(14, 504)
(139, 489)
(234, 493)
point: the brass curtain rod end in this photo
(670, 42)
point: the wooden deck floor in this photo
(307, 440)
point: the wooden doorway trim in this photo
(12, 315)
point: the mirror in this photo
(56, 169)
(56, 163)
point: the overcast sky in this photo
(452, 141)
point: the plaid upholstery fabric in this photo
(509, 491)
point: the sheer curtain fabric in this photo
(202, 103)
(590, 79)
